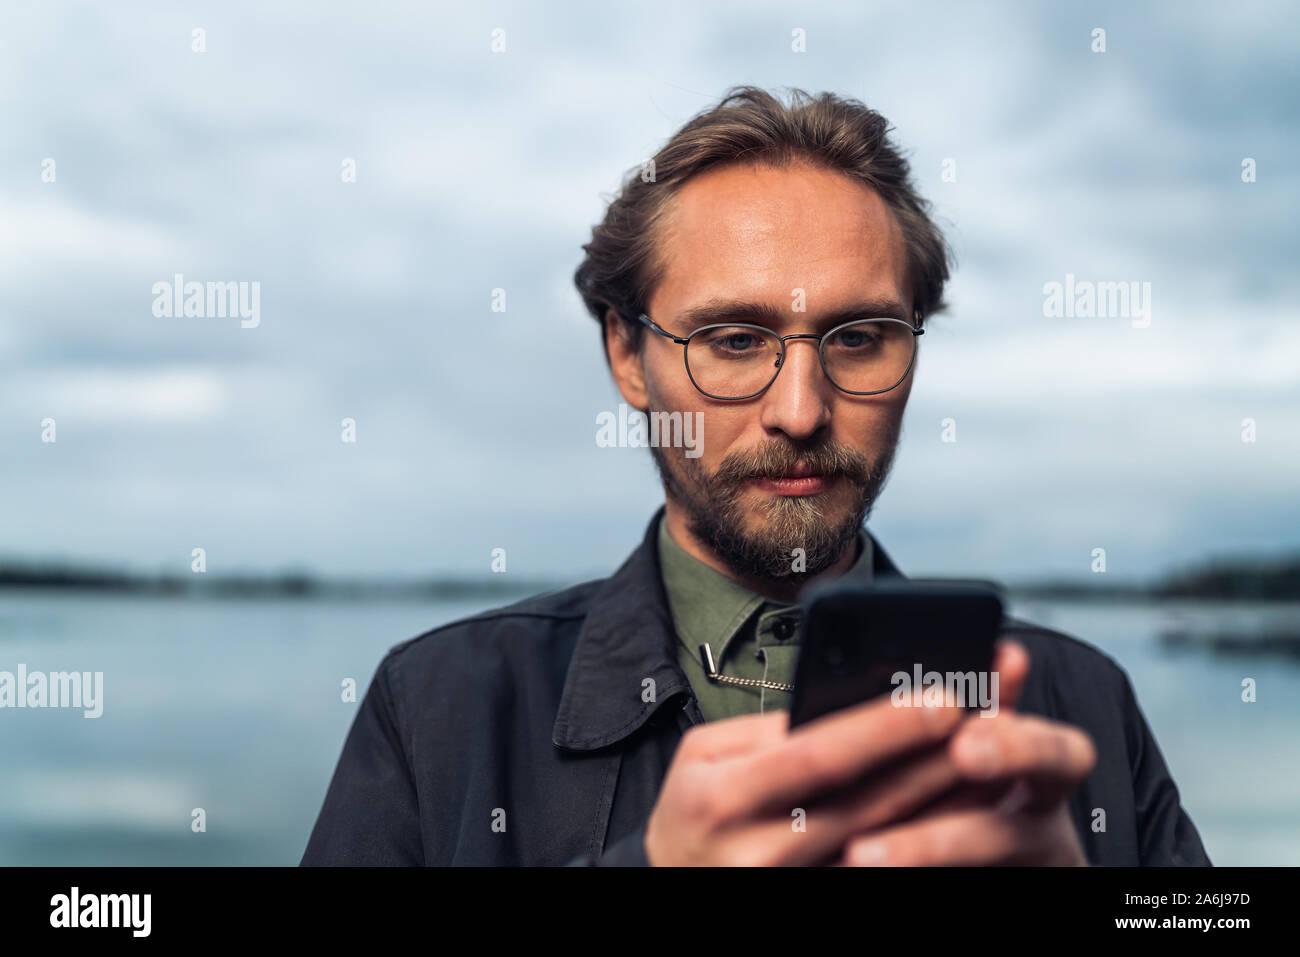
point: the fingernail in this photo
(868, 853)
(937, 717)
(982, 752)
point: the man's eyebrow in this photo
(766, 314)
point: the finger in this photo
(966, 838)
(1052, 757)
(728, 737)
(1011, 662)
(965, 796)
(816, 833)
(891, 796)
(838, 748)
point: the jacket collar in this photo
(626, 642)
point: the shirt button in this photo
(783, 628)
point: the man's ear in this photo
(625, 361)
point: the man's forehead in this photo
(758, 231)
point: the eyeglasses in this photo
(737, 360)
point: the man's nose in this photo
(798, 403)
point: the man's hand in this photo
(735, 788)
(1017, 773)
(1041, 762)
(747, 791)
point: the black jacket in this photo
(519, 736)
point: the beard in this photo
(818, 524)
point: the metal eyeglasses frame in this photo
(916, 330)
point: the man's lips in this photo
(795, 482)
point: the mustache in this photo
(775, 459)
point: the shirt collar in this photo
(708, 606)
(627, 638)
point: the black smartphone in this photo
(865, 639)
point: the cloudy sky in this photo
(478, 170)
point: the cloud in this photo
(479, 171)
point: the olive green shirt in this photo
(750, 636)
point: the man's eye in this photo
(736, 342)
(855, 339)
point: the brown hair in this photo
(750, 125)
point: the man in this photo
(771, 275)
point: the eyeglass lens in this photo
(871, 355)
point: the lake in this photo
(234, 706)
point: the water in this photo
(1237, 765)
(234, 707)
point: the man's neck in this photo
(677, 522)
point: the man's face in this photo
(778, 238)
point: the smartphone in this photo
(862, 640)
